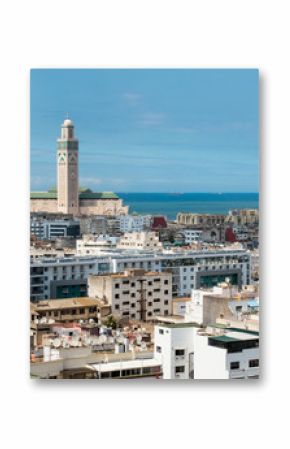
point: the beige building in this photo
(243, 216)
(73, 309)
(68, 198)
(134, 294)
(200, 219)
(140, 240)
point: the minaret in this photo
(67, 170)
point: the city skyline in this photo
(149, 130)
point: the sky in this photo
(149, 130)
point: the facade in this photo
(232, 355)
(92, 245)
(174, 348)
(67, 198)
(51, 230)
(200, 219)
(140, 240)
(187, 352)
(134, 223)
(134, 294)
(243, 216)
(220, 302)
(191, 235)
(72, 310)
(53, 278)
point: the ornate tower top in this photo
(67, 129)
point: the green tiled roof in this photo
(52, 195)
(98, 196)
(43, 195)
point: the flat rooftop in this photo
(67, 303)
(125, 364)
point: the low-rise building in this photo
(134, 294)
(234, 354)
(141, 241)
(220, 302)
(73, 309)
(191, 235)
(45, 229)
(186, 351)
(134, 223)
(93, 245)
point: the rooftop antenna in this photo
(67, 115)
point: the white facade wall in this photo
(167, 341)
(191, 235)
(134, 223)
(211, 362)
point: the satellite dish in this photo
(143, 345)
(111, 340)
(74, 343)
(120, 339)
(139, 339)
(51, 321)
(56, 342)
(81, 321)
(91, 320)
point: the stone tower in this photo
(67, 170)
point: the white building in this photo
(190, 269)
(174, 348)
(191, 235)
(134, 223)
(93, 245)
(233, 355)
(141, 241)
(206, 306)
(187, 352)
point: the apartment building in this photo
(191, 235)
(134, 294)
(63, 277)
(140, 240)
(72, 309)
(234, 354)
(93, 245)
(190, 270)
(187, 352)
(51, 230)
(134, 223)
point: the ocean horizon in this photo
(170, 204)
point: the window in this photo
(179, 352)
(158, 349)
(133, 295)
(149, 303)
(179, 369)
(161, 331)
(166, 282)
(117, 307)
(165, 292)
(156, 300)
(239, 308)
(235, 365)
(253, 363)
(166, 302)
(117, 296)
(117, 285)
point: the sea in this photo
(169, 204)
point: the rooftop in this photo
(66, 303)
(83, 195)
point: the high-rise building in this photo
(67, 170)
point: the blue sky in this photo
(149, 130)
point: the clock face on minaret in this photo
(67, 169)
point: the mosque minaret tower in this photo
(67, 198)
(67, 170)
